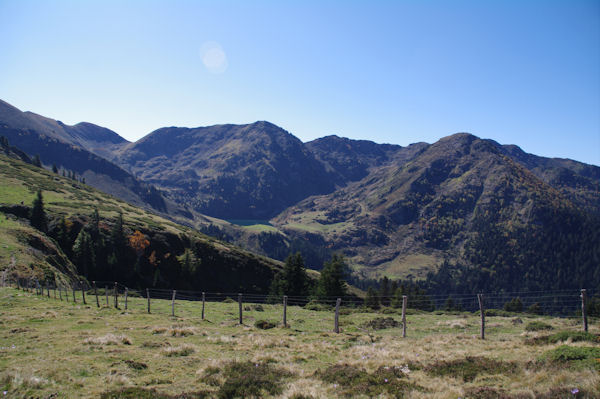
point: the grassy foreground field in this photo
(54, 349)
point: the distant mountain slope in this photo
(229, 171)
(350, 160)
(174, 256)
(403, 219)
(71, 148)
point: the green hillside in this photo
(173, 256)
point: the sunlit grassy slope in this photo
(71, 199)
(71, 350)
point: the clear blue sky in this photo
(518, 72)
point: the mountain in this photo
(405, 217)
(460, 204)
(228, 171)
(78, 149)
(350, 160)
(138, 248)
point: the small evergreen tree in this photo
(54, 168)
(331, 283)
(371, 300)
(37, 161)
(514, 305)
(38, 216)
(384, 291)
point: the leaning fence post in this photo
(96, 294)
(116, 292)
(173, 303)
(148, 296)
(482, 311)
(404, 301)
(82, 293)
(336, 323)
(203, 300)
(126, 292)
(285, 311)
(240, 306)
(583, 309)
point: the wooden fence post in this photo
(54, 291)
(336, 323)
(126, 292)
(173, 303)
(82, 292)
(106, 293)
(404, 302)
(60, 292)
(116, 292)
(67, 293)
(73, 288)
(203, 300)
(96, 294)
(148, 296)
(240, 307)
(48, 290)
(482, 311)
(285, 298)
(583, 309)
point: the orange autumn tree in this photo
(138, 242)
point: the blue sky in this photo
(518, 72)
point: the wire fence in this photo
(567, 304)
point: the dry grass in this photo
(87, 351)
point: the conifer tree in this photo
(38, 216)
(37, 161)
(371, 300)
(331, 283)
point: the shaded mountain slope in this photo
(70, 148)
(402, 220)
(229, 171)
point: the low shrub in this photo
(248, 379)
(380, 323)
(312, 305)
(228, 300)
(573, 336)
(470, 367)
(538, 326)
(135, 365)
(579, 356)
(355, 381)
(264, 324)
(144, 393)
(183, 350)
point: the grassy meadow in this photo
(57, 349)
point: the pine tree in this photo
(385, 292)
(331, 283)
(37, 161)
(84, 255)
(54, 168)
(371, 300)
(38, 216)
